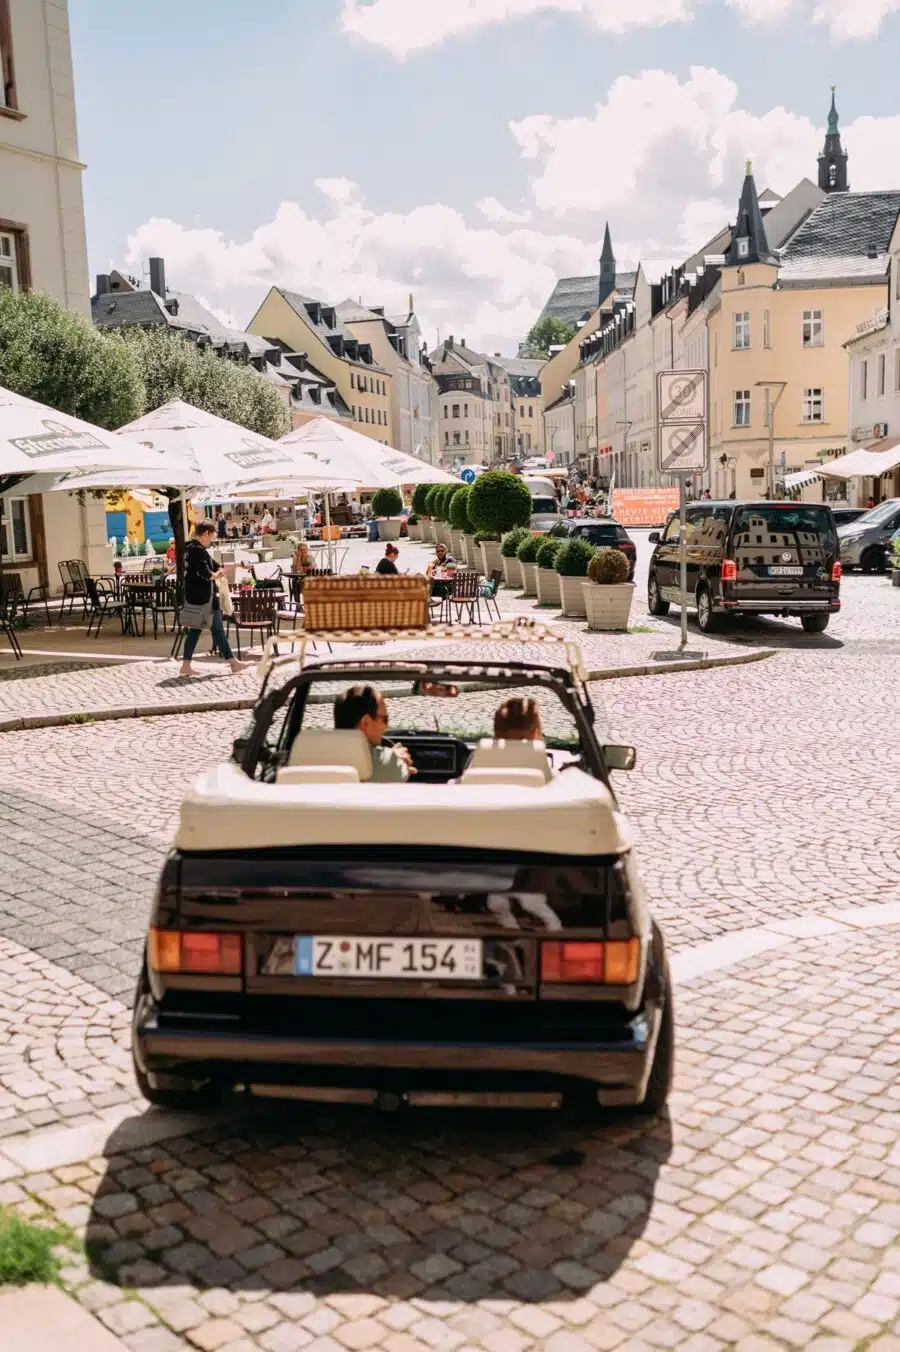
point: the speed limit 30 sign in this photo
(682, 445)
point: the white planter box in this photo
(529, 578)
(470, 557)
(428, 531)
(414, 532)
(571, 596)
(607, 607)
(512, 572)
(491, 557)
(389, 528)
(456, 543)
(548, 587)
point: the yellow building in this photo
(777, 331)
(312, 327)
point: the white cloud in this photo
(340, 190)
(406, 26)
(495, 211)
(845, 19)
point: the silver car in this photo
(864, 541)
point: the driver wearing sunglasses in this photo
(364, 707)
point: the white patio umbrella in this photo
(350, 455)
(38, 444)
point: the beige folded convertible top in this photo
(573, 814)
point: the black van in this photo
(761, 558)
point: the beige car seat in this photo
(510, 755)
(329, 748)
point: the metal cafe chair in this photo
(72, 573)
(100, 603)
(256, 611)
(13, 597)
(465, 595)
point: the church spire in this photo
(748, 238)
(833, 156)
(607, 269)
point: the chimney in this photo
(498, 354)
(102, 283)
(158, 277)
(463, 343)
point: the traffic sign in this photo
(681, 396)
(468, 476)
(682, 448)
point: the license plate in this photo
(394, 959)
(780, 571)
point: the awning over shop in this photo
(801, 478)
(870, 464)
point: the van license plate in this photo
(397, 959)
(780, 571)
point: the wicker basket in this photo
(363, 603)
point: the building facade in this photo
(304, 325)
(396, 345)
(479, 427)
(559, 429)
(42, 248)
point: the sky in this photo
(467, 152)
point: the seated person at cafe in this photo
(364, 707)
(518, 720)
(442, 559)
(304, 562)
(388, 565)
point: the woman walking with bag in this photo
(201, 609)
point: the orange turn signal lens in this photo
(615, 963)
(195, 951)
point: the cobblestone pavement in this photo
(761, 1215)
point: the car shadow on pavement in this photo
(440, 1205)
(761, 632)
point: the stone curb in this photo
(116, 712)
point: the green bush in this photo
(431, 498)
(574, 558)
(27, 1251)
(412, 519)
(449, 493)
(484, 537)
(387, 502)
(511, 541)
(459, 509)
(527, 551)
(546, 555)
(420, 494)
(498, 502)
(608, 567)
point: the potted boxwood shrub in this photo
(547, 576)
(429, 526)
(459, 519)
(498, 502)
(387, 504)
(445, 500)
(413, 527)
(512, 572)
(572, 566)
(607, 591)
(527, 556)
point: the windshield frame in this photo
(250, 751)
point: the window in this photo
(9, 272)
(814, 405)
(446, 412)
(743, 248)
(767, 328)
(353, 380)
(864, 380)
(456, 410)
(879, 387)
(741, 331)
(813, 328)
(446, 438)
(742, 408)
(15, 528)
(455, 438)
(467, 437)
(7, 74)
(465, 410)
(531, 410)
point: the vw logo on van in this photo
(786, 556)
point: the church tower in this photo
(607, 269)
(833, 157)
(748, 238)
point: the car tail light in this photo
(614, 963)
(729, 570)
(837, 572)
(195, 951)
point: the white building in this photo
(559, 428)
(42, 248)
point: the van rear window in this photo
(792, 519)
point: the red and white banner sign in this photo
(643, 506)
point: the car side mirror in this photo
(620, 757)
(653, 537)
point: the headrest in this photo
(317, 774)
(511, 755)
(523, 779)
(333, 747)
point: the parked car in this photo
(600, 531)
(545, 512)
(760, 558)
(863, 543)
(441, 940)
(844, 515)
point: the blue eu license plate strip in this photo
(304, 955)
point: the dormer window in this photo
(743, 248)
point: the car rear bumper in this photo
(614, 1070)
(822, 605)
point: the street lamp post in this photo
(780, 385)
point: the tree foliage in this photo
(498, 502)
(387, 502)
(546, 333)
(419, 498)
(56, 357)
(172, 367)
(459, 508)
